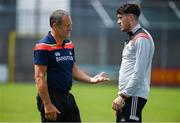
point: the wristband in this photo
(123, 96)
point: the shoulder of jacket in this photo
(139, 35)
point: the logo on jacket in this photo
(70, 53)
(63, 58)
(57, 54)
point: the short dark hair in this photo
(129, 9)
(56, 16)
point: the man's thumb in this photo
(58, 111)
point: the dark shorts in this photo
(65, 103)
(132, 110)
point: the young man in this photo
(135, 70)
(54, 66)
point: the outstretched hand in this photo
(102, 77)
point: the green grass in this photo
(18, 104)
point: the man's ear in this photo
(54, 26)
(131, 17)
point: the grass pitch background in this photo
(18, 104)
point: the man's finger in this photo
(103, 79)
(48, 116)
(58, 111)
(106, 79)
(116, 106)
(51, 116)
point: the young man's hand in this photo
(118, 103)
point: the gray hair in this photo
(56, 16)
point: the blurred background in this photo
(96, 35)
(97, 38)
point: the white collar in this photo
(136, 28)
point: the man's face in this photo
(65, 28)
(124, 22)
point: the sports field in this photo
(18, 104)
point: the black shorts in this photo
(132, 110)
(65, 103)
